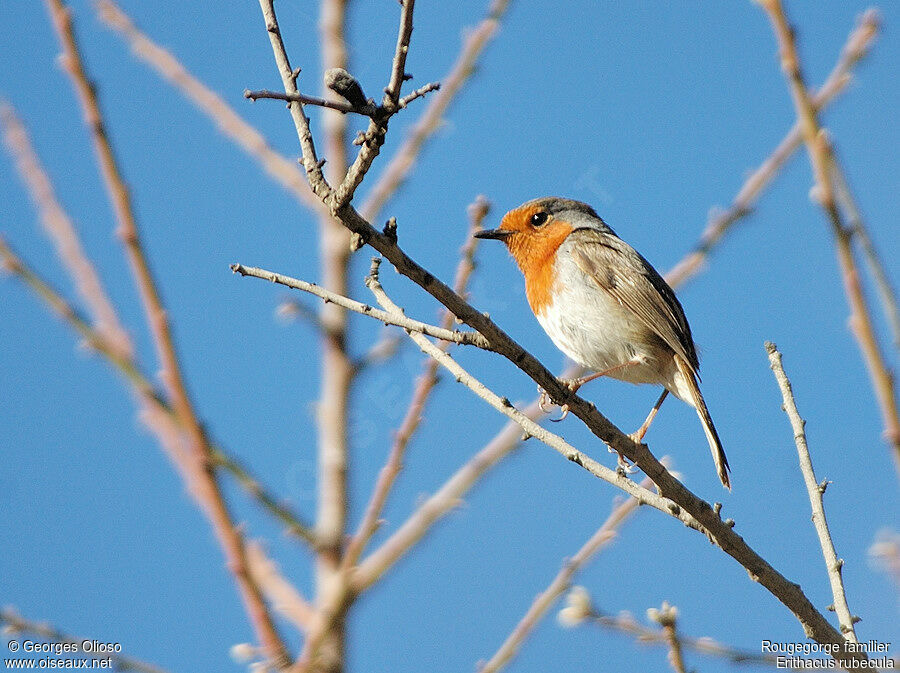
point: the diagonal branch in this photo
(206, 489)
(686, 503)
(857, 225)
(144, 390)
(815, 490)
(820, 153)
(424, 385)
(856, 47)
(62, 231)
(563, 580)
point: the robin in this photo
(604, 305)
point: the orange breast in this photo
(535, 252)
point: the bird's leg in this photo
(575, 384)
(638, 435)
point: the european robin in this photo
(604, 305)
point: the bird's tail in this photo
(697, 401)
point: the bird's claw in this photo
(544, 401)
(565, 412)
(623, 467)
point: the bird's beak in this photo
(498, 234)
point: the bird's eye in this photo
(539, 219)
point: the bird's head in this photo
(534, 231)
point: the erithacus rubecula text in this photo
(604, 305)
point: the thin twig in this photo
(400, 164)
(563, 580)
(815, 490)
(845, 198)
(626, 623)
(283, 595)
(370, 110)
(453, 336)
(311, 164)
(819, 150)
(62, 232)
(667, 618)
(375, 133)
(15, 623)
(293, 523)
(285, 171)
(340, 106)
(506, 407)
(413, 417)
(856, 47)
(206, 489)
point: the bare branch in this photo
(374, 135)
(400, 164)
(418, 93)
(206, 488)
(626, 623)
(144, 389)
(62, 232)
(685, 502)
(856, 47)
(15, 623)
(293, 523)
(311, 163)
(857, 225)
(454, 336)
(285, 171)
(563, 580)
(281, 594)
(815, 490)
(820, 154)
(667, 617)
(340, 106)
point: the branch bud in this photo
(346, 85)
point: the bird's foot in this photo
(623, 467)
(545, 402)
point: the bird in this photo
(605, 306)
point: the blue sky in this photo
(652, 112)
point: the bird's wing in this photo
(629, 279)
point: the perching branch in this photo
(687, 504)
(561, 583)
(820, 153)
(815, 490)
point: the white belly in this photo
(589, 326)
